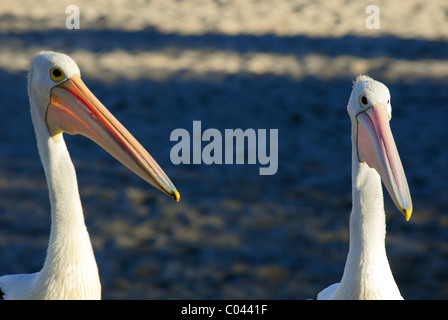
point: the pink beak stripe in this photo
(376, 146)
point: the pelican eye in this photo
(57, 74)
(363, 101)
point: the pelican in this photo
(61, 102)
(367, 274)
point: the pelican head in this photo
(370, 110)
(61, 102)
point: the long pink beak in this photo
(74, 109)
(376, 146)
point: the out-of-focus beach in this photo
(286, 65)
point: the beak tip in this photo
(176, 195)
(407, 213)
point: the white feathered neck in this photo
(367, 274)
(70, 270)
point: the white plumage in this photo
(367, 274)
(60, 102)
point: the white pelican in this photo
(367, 273)
(60, 102)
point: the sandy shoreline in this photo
(160, 65)
(415, 19)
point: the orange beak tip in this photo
(177, 195)
(407, 214)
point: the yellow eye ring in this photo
(56, 74)
(363, 101)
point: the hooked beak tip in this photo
(407, 213)
(177, 196)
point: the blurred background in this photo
(286, 65)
